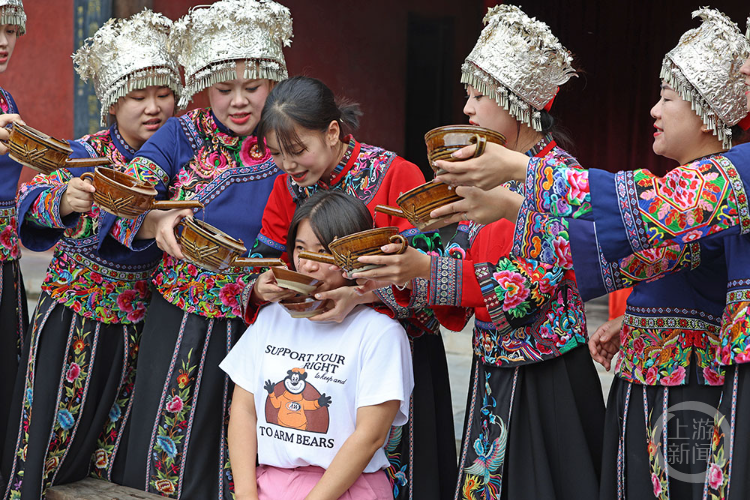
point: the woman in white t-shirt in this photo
(317, 400)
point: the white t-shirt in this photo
(318, 375)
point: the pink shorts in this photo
(292, 484)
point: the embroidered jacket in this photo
(526, 310)
(637, 210)
(110, 291)
(197, 157)
(9, 248)
(374, 176)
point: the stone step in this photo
(95, 489)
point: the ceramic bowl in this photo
(416, 205)
(44, 153)
(292, 280)
(125, 196)
(304, 306)
(443, 141)
(347, 250)
(211, 248)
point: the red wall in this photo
(40, 73)
(359, 50)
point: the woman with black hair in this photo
(304, 129)
(535, 411)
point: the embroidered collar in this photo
(122, 146)
(346, 163)
(542, 147)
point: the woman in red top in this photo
(535, 413)
(304, 131)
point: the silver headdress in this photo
(209, 40)
(518, 62)
(126, 55)
(11, 12)
(704, 69)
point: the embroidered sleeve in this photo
(125, 230)
(636, 210)
(47, 191)
(514, 289)
(542, 237)
(554, 187)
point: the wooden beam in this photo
(95, 489)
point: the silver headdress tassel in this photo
(126, 55)
(704, 69)
(11, 12)
(210, 40)
(518, 62)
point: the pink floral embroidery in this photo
(715, 476)
(73, 371)
(657, 484)
(563, 256)
(174, 405)
(579, 185)
(514, 286)
(675, 378)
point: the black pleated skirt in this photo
(176, 440)
(73, 373)
(657, 440)
(727, 476)
(14, 319)
(534, 431)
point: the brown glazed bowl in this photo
(125, 196)
(304, 306)
(213, 249)
(347, 250)
(416, 205)
(44, 153)
(292, 280)
(443, 141)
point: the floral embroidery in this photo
(556, 187)
(196, 290)
(109, 439)
(517, 288)
(78, 277)
(72, 393)
(558, 326)
(656, 350)
(171, 434)
(9, 242)
(659, 479)
(735, 326)
(217, 155)
(95, 291)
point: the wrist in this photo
(520, 167)
(65, 208)
(147, 230)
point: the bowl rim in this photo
(202, 227)
(465, 128)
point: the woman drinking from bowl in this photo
(13, 310)
(74, 385)
(669, 343)
(351, 385)
(304, 128)
(535, 410)
(233, 48)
